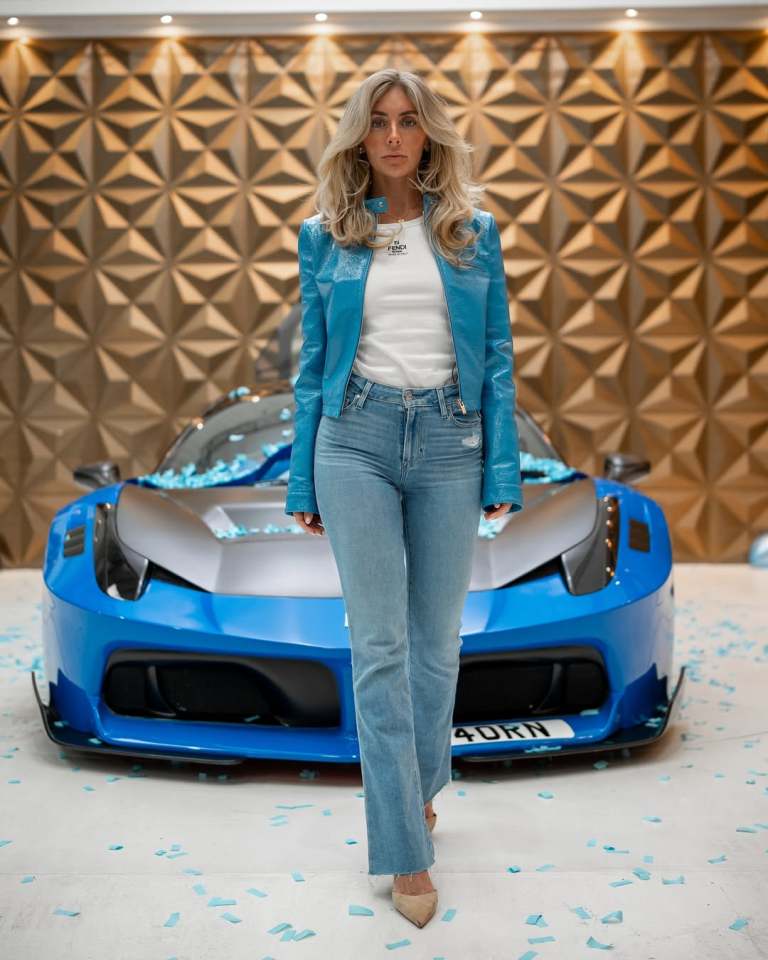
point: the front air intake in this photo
(552, 681)
(260, 691)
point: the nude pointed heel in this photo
(417, 907)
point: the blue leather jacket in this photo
(332, 281)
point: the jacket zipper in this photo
(450, 324)
(360, 325)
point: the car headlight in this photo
(589, 565)
(119, 570)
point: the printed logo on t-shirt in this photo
(396, 248)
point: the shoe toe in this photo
(419, 908)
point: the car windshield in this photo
(249, 427)
(238, 435)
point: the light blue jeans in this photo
(398, 481)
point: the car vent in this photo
(259, 691)
(530, 684)
(639, 535)
(74, 541)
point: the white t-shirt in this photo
(406, 336)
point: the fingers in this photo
(309, 524)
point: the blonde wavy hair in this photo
(445, 171)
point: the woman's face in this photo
(395, 139)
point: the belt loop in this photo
(441, 400)
(360, 398)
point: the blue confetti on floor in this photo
(574, 862)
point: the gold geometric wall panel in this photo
(151, 192)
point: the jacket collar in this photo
(381, 205)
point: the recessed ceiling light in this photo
(12, 21)
(476, 15)
(166, 18)
(321, 17)
(630, 12)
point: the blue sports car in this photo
(186, 616)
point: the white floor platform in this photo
(284, 843)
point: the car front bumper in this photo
(638, 735)
(641, 734)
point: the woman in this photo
(404, 428)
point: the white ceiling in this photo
(251, 17)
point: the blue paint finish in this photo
(630, 621)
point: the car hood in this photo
(175, 529)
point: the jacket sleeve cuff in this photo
(503, 494)
(300, 503)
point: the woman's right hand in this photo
(310, 522)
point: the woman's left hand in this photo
(497, 510)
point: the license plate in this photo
(479, 734)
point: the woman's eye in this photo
(381, 122)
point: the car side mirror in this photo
(95, 475)
(625, 467)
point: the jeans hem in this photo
(382, 873)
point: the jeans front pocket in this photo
(351, 395)
(469, 419)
